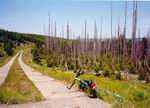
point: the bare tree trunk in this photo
(48, 40)
(125, 52)
(95, 42)
(79, 51)
(118, 41)
(101, 28)
(85, 43)
(45, 38)
(74, 54)
(67, 53)
(55, 33)
(111, 28)
(134, 26)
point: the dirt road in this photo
(56, 93)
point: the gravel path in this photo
(4, 70)
(56, 93)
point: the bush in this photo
(36, 55)
(8, 47)
(107, 70)
(139, 96)
(118, 75)
(44, 63)
(96, 67)
(141, 76)
(106, 73)
(1, 54)
(117, 66)
(51, 62)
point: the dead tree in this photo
(110, 43)
(118, 42)
(56, 45)
(48, 39)
(125, 51)
(85, 41)
(45, 38)
(134, 27)
(100, 46)
(79, 51)
(62, 44)
(67, 52)
(95, 42)
(55, 33)
(74, 52)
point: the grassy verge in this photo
(17, 88)
(135, 94)
(4, 60)
(56, 73)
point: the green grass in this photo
(135, 94)
(17, 88)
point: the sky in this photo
(28, 16)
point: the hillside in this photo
(9, 41)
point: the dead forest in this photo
(111, 57)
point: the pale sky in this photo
(27, 16)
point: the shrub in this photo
(118, 75)
(1, 54)
(44, 63)
(8, 47)
(96, 67)
(51, 62)
(141, 76)
(117, 66)
(106, 73)
(36, 55)
(139, 96)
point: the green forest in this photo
(10, 40)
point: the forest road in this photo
(56, 93)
